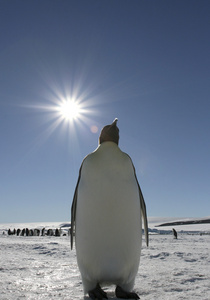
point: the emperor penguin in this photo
(106, 218)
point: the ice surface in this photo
(44, 268)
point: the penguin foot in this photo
(120, 293)
(97, 293)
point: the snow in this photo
(44, 267)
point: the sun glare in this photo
(69, 110)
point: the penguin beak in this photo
(114, 123)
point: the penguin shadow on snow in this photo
(111, 296)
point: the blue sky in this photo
(144, 62)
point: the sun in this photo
(69, 110)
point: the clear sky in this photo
(145, 62)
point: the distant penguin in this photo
(57, 232)
(50, 232)
(106, 217)
(175, 233)
(23, 232)
(18, 231)
(36, 232)
(43, 231)
(31, 232)
(11, 232)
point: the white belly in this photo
(108, 233)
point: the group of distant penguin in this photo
(37, 232)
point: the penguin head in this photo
(110, 133)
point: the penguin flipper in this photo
(143, 210)
(73, 210)
(144, 214)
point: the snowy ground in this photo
(44, 268)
